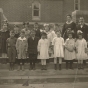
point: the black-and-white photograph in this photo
(43, 43)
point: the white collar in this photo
(69, 22)
(22, 38)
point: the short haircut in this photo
(12, 31)
(22, 31)
(43, 34)
(35, 23)
(69, 15)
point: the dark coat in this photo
(4, 36)
(11, 49)
(38, 33)
(32, 48)
(32, 45)
(84, 29)
(65, 28)
(17, 35)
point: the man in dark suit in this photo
(84, 28)
(37, 30)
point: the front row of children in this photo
(34, 46)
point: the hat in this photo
(43, 33)
(79, 32)
(46, 25)
(22, 31)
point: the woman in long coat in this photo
(68, 26)
(4, 32)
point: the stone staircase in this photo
(42, 77)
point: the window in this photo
(36, 10)
(76, 4)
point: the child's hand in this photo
(76, 51)
(17, 52)
(39, 53)
(26, 52)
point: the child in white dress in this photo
(43, 50)
(81, 46)
(58, 48)
(70, 50)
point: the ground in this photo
(53, 85)
(71, 78)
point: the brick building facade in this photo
(40, 10)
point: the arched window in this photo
(76, 4)
(36, 7)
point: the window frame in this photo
(76, 4)
(36, 17)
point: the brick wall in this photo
(51, 10)
(84, 5)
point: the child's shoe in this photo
(42, 67)
(79, 66)
(82, 66)
(55, 66)
(45, 67)
(19, 68)
(71, 67)
(22, 67)
(59, 66)
(67, 66)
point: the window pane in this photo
(76, 1)
(76, 7)
(36, 6)
(36, 13)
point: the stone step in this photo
(42, 79)
(39, 77)
(38, 65)
(48, 85)
(38, 72)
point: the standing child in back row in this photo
(11, 49)
(43, 50)
(58, 48)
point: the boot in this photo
(22, 67)
(79, 66)
(82, 66)
(42, 67)
(30, 67)
(84, 62)
(67, 65)
(59, 66)
(10, 67)
(34, 67)
(71, 67)
(55, 66)
(19, 67)
(45, 67)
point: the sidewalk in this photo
(53, 85)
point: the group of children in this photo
(50, 44)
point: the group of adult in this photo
(68, 25)
(72, 26)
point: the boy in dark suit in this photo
(32, 49)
